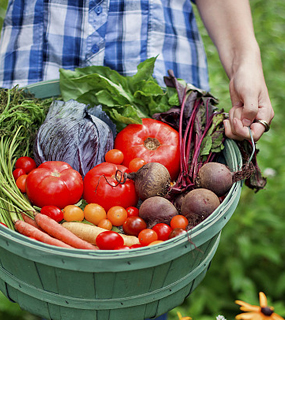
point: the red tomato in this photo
(132, 211)
(135, 164)
(152, 141)
(26, 163)
(18, 172)
(114, 156)
(53, 212)
(21, 183)
(3, 224)
(121, 247)
(109, 240)
(163, 231)
(101, 187)
(176, 232)
(54, 183)
(179, 221)
(146, 236)
(133, 225)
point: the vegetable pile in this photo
(119, 163)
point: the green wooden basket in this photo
(143, 283)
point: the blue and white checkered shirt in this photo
(41, 36)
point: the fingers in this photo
(236, 127)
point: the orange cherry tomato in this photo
(114, 156)
(105, 224)
(146, 236)
(155, 242)
(72, 213)
(94, 213)
(135, 164)
(179, 221)
(117, 215)
(21, 182)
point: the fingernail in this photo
(246, 122)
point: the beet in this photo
(198, 204)
(216, 177)
(155, 210)
(152, 179)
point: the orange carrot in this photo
(31, 231)
(56, 230)
(29, 220)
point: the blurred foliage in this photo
(251, 254)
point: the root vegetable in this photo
(152, 179)
(33, 232)
(89, 233)
(198, 204)
(216, 177)
(155, 210)
(58, 231)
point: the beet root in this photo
(152, 179)
(198, 204)
(155, 210)
(216, 177)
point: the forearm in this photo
(229, 24)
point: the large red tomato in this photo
(101, 187)
(54, 183)
(153, 141)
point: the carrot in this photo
(33, 232)
(89, 233)
(58, 231)
(29, 220)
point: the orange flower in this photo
(183, 318)
(262, 312)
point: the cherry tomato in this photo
(117, 215)
(136, 246)
(176, 232)
(53, 212)
(26, 163)
(94, 213)
(152, 141)
(133, 225)
(109, 240)
(114, 156)
(54, 183)
(135, 164)
(163, 231)
(132, 211)
(179, 221)
(146, 236)
(18, 172)
(100, 186)
(105, 224)
(3, 224)
(72, 213)
(121, 247)
(21, 183)
(156, 242)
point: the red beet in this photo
(216, 177)
(198, 204)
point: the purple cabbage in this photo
(76, 134)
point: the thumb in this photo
(249, 111)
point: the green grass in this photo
(251, 254)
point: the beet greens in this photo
(200, 127)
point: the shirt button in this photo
(94, 48)
(98, 10)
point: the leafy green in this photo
(126, 99)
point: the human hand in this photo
(251, 102)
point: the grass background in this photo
(251, 254)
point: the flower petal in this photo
(246, 306)
(276, 317)
(262, 299)
(249, 316)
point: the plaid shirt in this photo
(41, 36)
